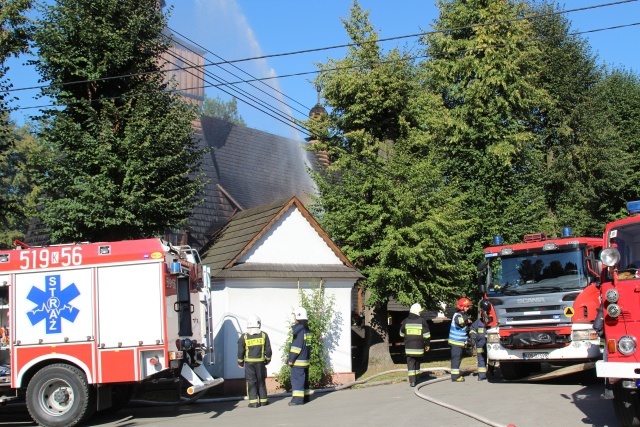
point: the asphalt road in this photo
(569, 401)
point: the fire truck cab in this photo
(620, 293)
(544, 300)
(84, 323)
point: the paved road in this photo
(570, 401)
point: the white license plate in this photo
(535, 355)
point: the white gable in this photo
(291, 240)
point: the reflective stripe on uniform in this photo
(254, 342)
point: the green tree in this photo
(617, 98)
(578, 139)
(17, 180)
(383, 200)
(486, 68)
(216, 107)
(14, 36)
(126, 164)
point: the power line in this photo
(288, 120)
(235, 66)
(227, 83)
(334, 47)
(337, 68)
(445, 30)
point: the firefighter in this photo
(299, 358)
(254, 354)
(417, 338)
(458, 335)
(478, 336)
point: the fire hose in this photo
(197, 398)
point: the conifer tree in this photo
(126, 165)
(482, 62)
(383, 199)
(14, 38)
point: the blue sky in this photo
(238, 29)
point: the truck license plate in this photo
(535, 355)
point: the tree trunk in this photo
(376, 352)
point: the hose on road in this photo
(197, 398)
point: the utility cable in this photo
(233, 87)
(422, 34)
(286, 119)
(250, 75)
(528, 17)
(461, 51)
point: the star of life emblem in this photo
(53, 304)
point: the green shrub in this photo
(323, 322)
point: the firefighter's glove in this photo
(427, 348)
(241, 366)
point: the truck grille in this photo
(533, 308)
(538, 339)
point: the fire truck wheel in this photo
(58, 395)
(513, 370)
(626, 405)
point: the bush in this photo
(321, 315)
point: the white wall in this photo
(291, 240)
(273, 301)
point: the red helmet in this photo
(464, 302)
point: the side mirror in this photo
(484, 277)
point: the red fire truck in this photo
(82, 324)
(620, 293)
(544, 300)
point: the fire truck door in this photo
(184, 307)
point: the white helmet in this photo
(253, 321)
(415, 308)
(300, 313)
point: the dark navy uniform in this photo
(254, 353)
(478, 335)
(415, 331)
(299, 359)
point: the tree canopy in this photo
(384, 199)
(14, 36)
(225, 110)
(508, 127)
(126, 164)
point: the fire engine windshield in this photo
(553, 271)
(627, 239)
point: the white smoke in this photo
(222, 28)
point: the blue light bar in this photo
(633, 207)
(497, 240)
(567, 232)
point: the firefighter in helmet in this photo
(299, 358)
(458, 335)
(254, 354)
(417, 338)
(478, 336)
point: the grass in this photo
(401, 375)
